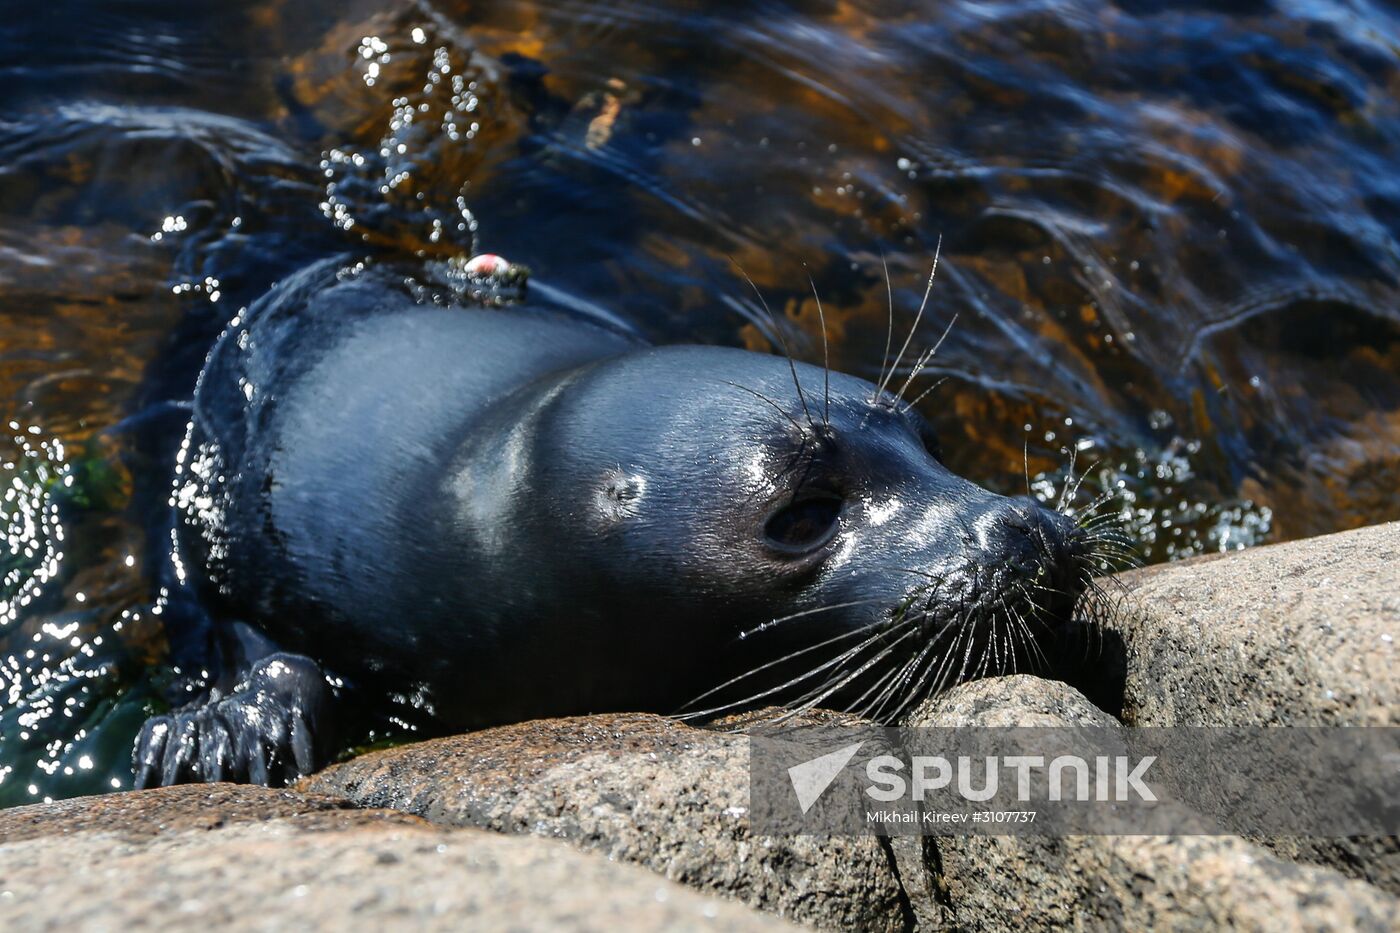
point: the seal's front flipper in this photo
(272, 729)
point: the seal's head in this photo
(730, 530)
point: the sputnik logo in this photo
(811, 778)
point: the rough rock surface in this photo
(1302, 633)
(1006, 702)
(638, 788)
(228, 858)
(1119, 882)
(189, 807)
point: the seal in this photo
(463, 516)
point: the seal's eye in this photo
(804, 525)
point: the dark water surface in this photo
(1169, 237)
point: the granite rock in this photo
(1168, 882)
(234, 858)
(638, 788)
(1301, 633)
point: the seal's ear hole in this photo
(805, 524)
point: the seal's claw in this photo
(149, 752)
(215, 750)
(272, 729)
(303, 746)
(181, 751)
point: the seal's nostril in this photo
(1033, 541)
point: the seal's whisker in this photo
(909, 406)
(1026, 642)
(928, 289)
(1031, 641)
(1069, 480)
(1050, 590)
(1097, 607)
(776, 407)
(1112, 555)
(858, 706)
(918, 688)
(748, 633)
(967, 652)
(935, 679)
(746, 701)
(1074, 493)
(1122, 588)
(980, 669)
(889, 330)
(1111, 547)
(1006, 663)
(1015, 642)
(1099, 502)
(1091, 511)
(1110, 535)
(1098, 598)
(826, 353)
(1026, 460)
(1098, 522)
(912, 694)
(913, 373)
(1110, 561)
(992, 653)
(909, 673)
(1107, 562)
(1107, 495)
(1105, 526)
(782, 338)
(1102, 499)
(875, 708)
(945, 668)
(840, 676)
(924, 360)
(775, 662)
(999, 641)
(906, 674)
(808, 704)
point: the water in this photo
(1168, 238)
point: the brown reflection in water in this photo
(1118, 195)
